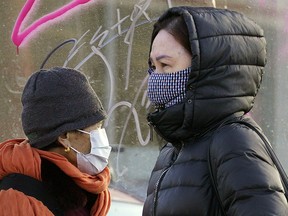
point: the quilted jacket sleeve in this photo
(15, 203)
(247, 181)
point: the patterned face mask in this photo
(167, 89)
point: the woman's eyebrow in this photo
(162, 56)
(158, 58)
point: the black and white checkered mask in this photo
(167, 89)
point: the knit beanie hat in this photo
(56, 101)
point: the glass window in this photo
(109, 41)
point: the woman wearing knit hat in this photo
(62, 168)
(206, 67)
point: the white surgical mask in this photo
(96, 161)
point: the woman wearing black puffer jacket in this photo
(194, 101)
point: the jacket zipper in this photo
(151, 130)
(157, 190)
(158, 184)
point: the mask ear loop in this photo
(82, 131)
(75, 150)
(68, 148)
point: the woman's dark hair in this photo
(176, 26)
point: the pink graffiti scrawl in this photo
(18, 37)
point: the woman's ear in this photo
(63, 140)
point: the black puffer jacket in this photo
(227, 69)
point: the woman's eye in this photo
(163, 65)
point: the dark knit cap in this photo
(56, 101)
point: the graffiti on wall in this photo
(98, 41)
(18, 36)
(101, 38)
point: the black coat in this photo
(227, 69)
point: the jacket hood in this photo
(228, 58)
